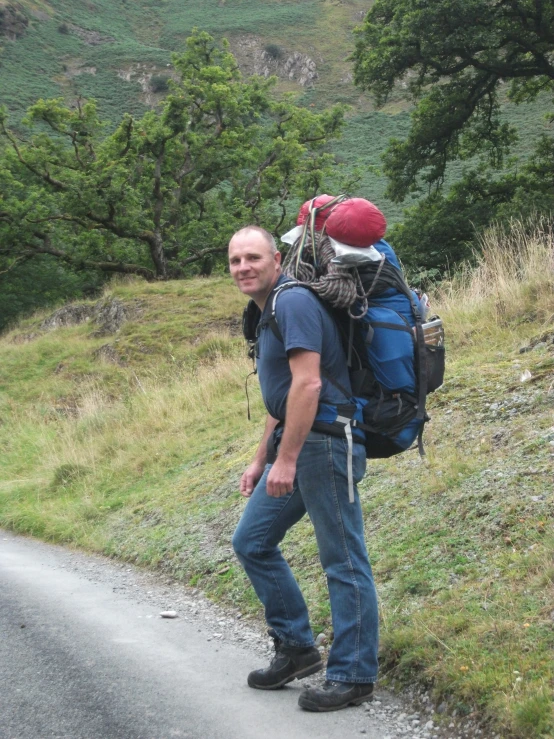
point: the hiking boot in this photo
(289, 663)
(333, 695)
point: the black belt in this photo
(273, 443)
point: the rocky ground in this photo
(407, 716)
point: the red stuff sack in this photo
(353, 221)
(356, 222)
(321, 217)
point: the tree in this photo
(439, 232)
(160, 194)
(40, 282)
(453, 58)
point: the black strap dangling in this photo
(254, 372)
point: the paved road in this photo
(80, 661)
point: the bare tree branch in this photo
(119, 267)
(201, 254)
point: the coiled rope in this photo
(337, 284)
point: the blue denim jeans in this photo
(321, 490)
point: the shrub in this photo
(274, 51)
(159, 83)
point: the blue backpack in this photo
(391, 367)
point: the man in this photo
(309, 474)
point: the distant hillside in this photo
(113, 50)
(118, 52)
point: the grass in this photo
(509, 288)
(139, 455)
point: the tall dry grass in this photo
(163, 415)
(509, 284)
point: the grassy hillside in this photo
(132, 444)
(73, 48)
(110, 51)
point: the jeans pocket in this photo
(358, 458)
(315, 437)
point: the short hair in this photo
(267, 237)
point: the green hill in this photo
(111, 50)
(123, 430)
(119, 53)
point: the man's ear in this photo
(278, 258)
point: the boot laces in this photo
(277, 643)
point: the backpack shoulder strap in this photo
(252, 321)
(272, 323)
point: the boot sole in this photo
(310, 670)
(308, 705)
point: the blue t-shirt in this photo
(304, 323)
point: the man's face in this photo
(253, 266)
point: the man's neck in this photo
(261, 300)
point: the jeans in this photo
(321, 490)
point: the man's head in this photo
(254, 262)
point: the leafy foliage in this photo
(166, 191)
(159, 83)
(41, 282)
(453, 58)
(274, 51)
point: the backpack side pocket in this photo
(435, 360)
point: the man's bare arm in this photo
(302, 403)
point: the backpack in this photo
(392, 367)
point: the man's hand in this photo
(250, 478)
(280, 480)
(255, 470)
